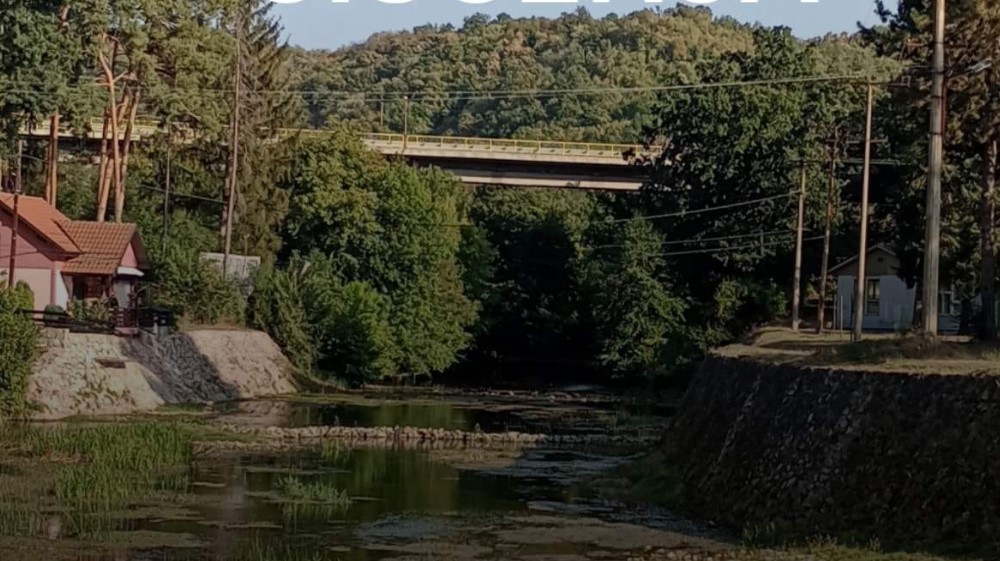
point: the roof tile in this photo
(43, 219)
(103, 246)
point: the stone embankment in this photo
(106, 375)
(826, 451)
(411, 435)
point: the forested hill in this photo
(455, 74)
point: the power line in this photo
(704, 210)
(472, 95)
(725, 249)
(699, 240)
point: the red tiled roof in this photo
(43, 219)
(103, 245)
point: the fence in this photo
(121, 319)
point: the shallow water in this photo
(493, 414)
(406, 504)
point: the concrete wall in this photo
(107, 375)
(828, 451)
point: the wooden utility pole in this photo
(825, 267)
(799, 229)
(932, 245)
(861, 284)
(234, 145)
(11, 278)
(166, 199)
(406, 122)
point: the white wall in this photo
(895, 312)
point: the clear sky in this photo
(325, 24)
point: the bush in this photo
(325, 327)
(18, 351)
(54, 316)
(24, 296)
(197, 290)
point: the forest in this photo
(374, 268)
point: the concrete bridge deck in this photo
(494, 161)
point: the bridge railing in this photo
(500, 145)
(146, 127)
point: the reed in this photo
(297, 490)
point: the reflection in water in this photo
(489, 416)
(396, 495)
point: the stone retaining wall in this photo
(814, 450)
(106, 375)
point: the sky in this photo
(326, 24)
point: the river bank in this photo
(808, 450)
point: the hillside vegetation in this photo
(483, 78)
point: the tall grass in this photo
(100, 471)
(297, 490)
(335, 453)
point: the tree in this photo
(396, 231)
(973, 128)
(640, 325)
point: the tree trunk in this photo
(52, 161)
(988, 272)
(109, 76)
(102, 171)
(126, 148)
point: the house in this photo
(889, 303)
(65, 260)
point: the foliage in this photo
(96, 312)
(297, 490)
(639, 324)
(196, 289)
(18, 351)
(972, 136)
(24, 298)
(325, 326)
(390, 235)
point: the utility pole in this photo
(17, 216)
(800, 227)
(406, 122)
(166, 198)
(825, 268)
(861, 285)
(234, 144)
(932, 246)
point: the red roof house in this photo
(63, 260)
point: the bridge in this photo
(476, 161)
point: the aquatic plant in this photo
(297, 490)
(335, 453)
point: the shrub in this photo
(54, 316)
(24, 296)
(197, 290)
(18, 351)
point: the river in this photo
(398, 502)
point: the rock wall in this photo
(897, 456)
(107, 375)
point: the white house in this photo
(889, 302)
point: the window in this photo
(873, 297)
(949, 304)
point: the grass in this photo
(877, 353)
(90, 474)
(335, 453)
(297, 490)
